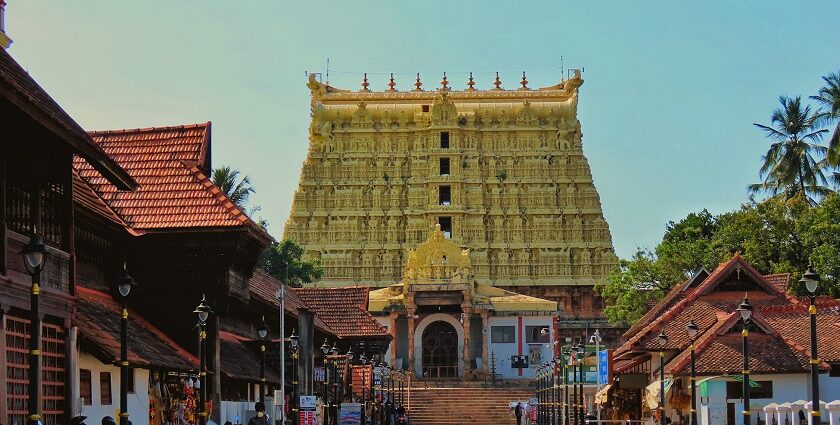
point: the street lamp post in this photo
(692, 330)
(124, 285)
(663, 340)
(293, 341)
(325, 348)
(582, 356)
(363, 360)
(811, 281)
(202, 312)
(552, 390)
(574, 405)
(745, 310)
(565, 386)
(33, 258)
(596, 338)
(538, 381)
(262, 334)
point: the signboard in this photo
(307, 414)
(318, 374)
(605, 365)
(350, 414)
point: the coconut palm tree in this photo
(238, 191)
(794, 163)
(829, 98)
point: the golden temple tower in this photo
(501, 171)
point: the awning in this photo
(652, 392)
(602, 396)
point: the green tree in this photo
(829, 98)
(237, 190)
(793, 165)
(775, 236)
(284, 260)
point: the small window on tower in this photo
(446, 226)
(445, 195)
(444, 140)
(444, 166)
(425, 108)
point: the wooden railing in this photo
(56, 274)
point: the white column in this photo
(834, 412)
(782, 413)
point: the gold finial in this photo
(391, 83)
(524, 81)
(470, 83)
(444, 83)
(498, 82)
(365, 83)
(418, 84)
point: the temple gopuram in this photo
(500, 171)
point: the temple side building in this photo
(500, 171)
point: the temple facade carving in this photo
(501, 171)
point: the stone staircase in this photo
(459, 404)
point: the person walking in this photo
(518, 412)
(261, 418)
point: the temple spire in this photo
(391, 83)
(365, 83)
(444, 84)
(524, 82)
(498, 82)
(471, 83)
(418, 84)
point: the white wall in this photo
(829, 388)
(504, 351)
(138, 402)
(786, 388)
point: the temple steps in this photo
(444, 405)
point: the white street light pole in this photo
(281, 295)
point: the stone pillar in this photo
(306, 351)
(834, 412)
(485, 340)
(782, 413)
(411, 320)
(73, 371)
(393, 328)
(466, 354)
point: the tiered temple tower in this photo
(501, 171)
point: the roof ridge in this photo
(150, 129)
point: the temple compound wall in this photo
(501, 171)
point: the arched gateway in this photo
(440, 351)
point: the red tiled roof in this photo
(779, 280)
(344, 310)
(240, 361)
(792, 321)
(264, 287)
(174, 190)
(85, 196)
(768, 354)
(27, 95)
(98, 317)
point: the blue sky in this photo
(672, 87)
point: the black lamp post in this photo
(811, 280)
(293, 342)
(663, 340)
(336, 401)
(692, 330)
(202, 312)
(349, 356)
(552, 393)
(581, 356)
(33, 258)
(745, 310)
(325, 348)
(363, 360)
(541, 395)
(124, 285)
(262, 335)
(573, 360)
(565, 410)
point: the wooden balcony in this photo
(56, 274)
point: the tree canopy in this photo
(775, 236)
(284, 260)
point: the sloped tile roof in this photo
(13, 76)
(98, 317)
(768, 354)
(779, 280)
(264, 287)
(240, 361)
(85, 196)
(174, 192)
(344, 310)
(793, 322)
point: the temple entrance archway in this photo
(438, 347)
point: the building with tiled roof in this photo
(344, 310)
(779, 342)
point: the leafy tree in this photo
(284, 260)
(237, 190)
(793, 165)
(829, 98)
(775, 236)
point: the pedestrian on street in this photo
(261, 418)
(518, 411)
